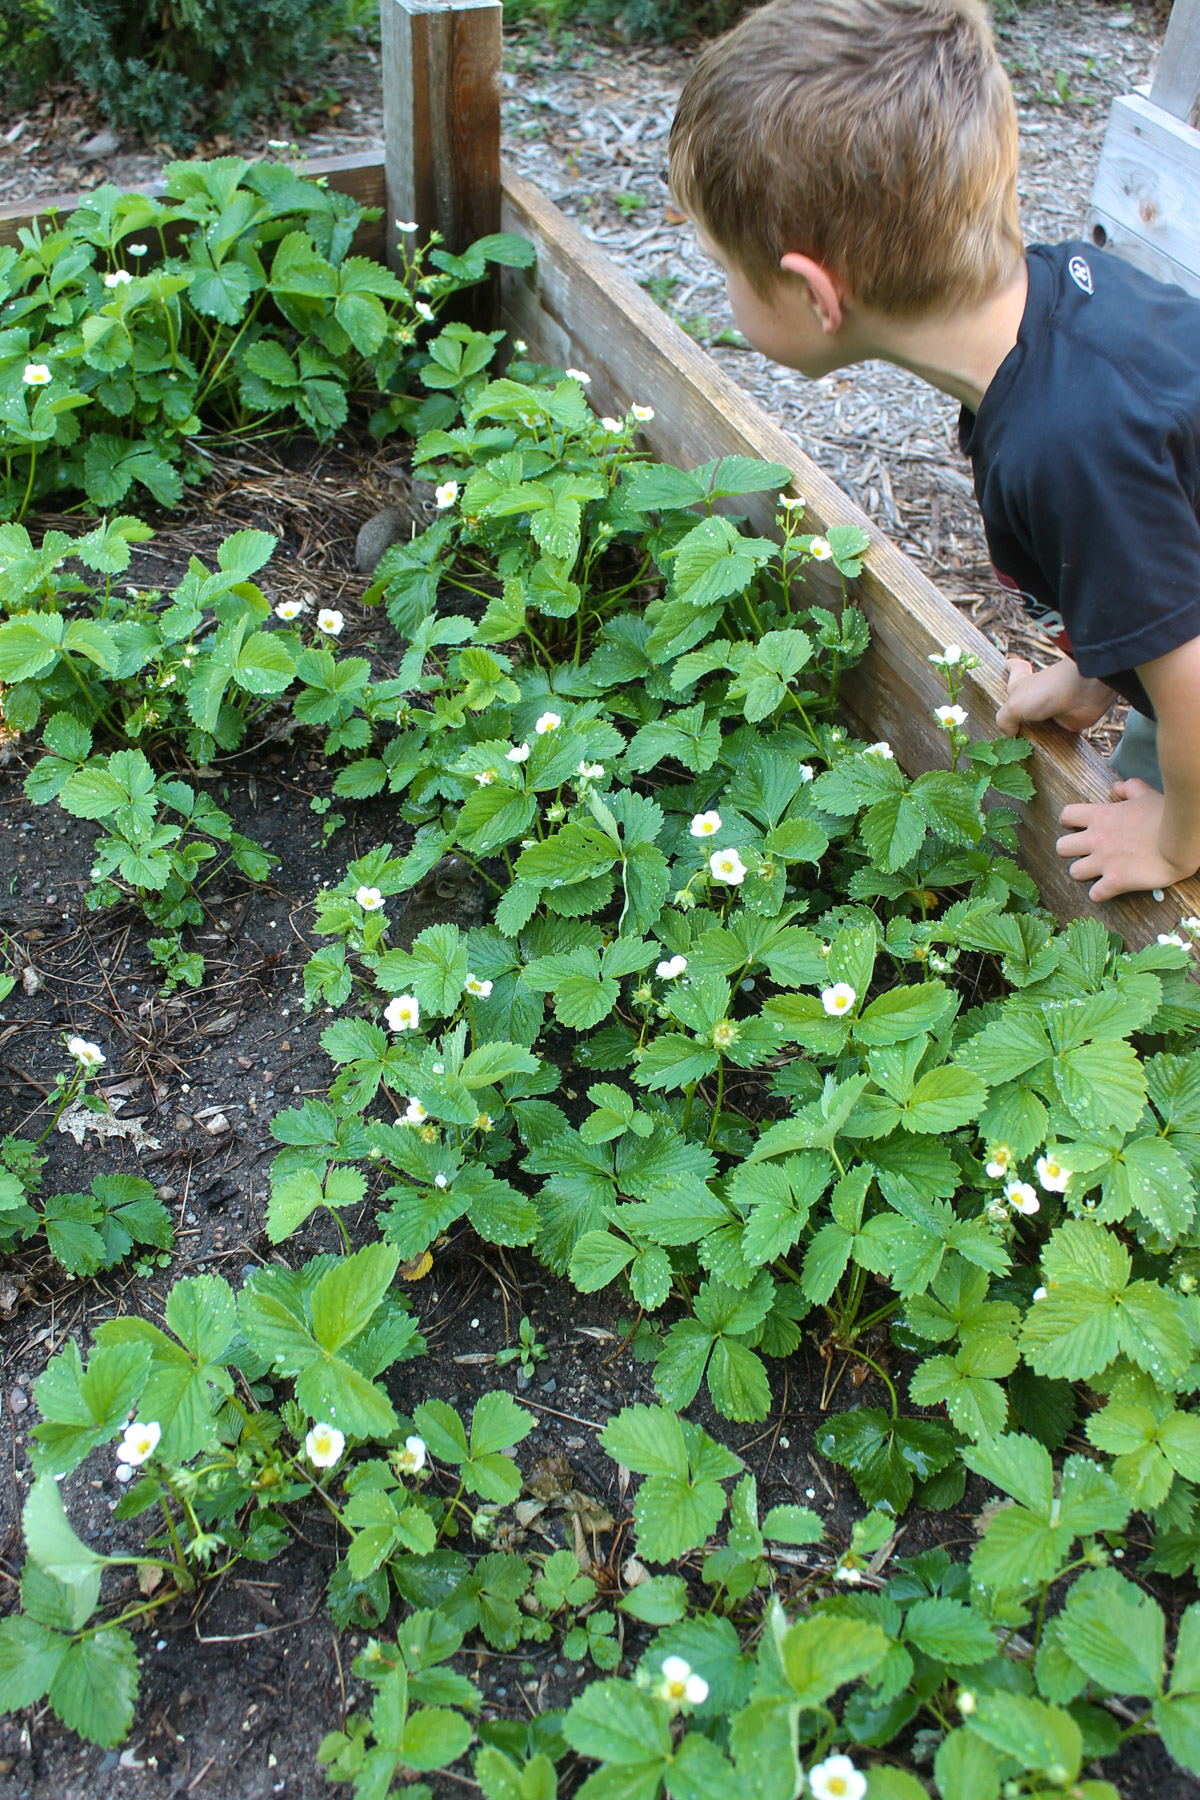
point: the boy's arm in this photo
(1143, 839)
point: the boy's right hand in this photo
(1058, 692)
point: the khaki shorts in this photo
(1137, 753)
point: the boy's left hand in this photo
(1116, 844)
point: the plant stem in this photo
(886, 1380)
(174, 1535)
(29, 483)
(716, 1118)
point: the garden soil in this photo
(238, 1687)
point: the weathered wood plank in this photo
(1144, 195)
(576, 309)
(441, 109)
(1177, 78)
(361, 176)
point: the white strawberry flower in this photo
(423, 309)
(473, 985)
(406, 225)
(672, 968)
(330, 621)
(403, 1013)
(324, 1445)
(950, 657)
(446, 494)
(614, 427)
(369, 898)
(820, 549)
(679, 1686)
(791, 501)
(705, 824)
(806, 772)
(1040, 1293)
(579, 375)
(1022, 1198)
(139, 1442)
(411, 1460)
(882, 748)
(591, 771)
(1051, 1174)
(848, 1573)
(1191, 923)
(441, 1181)
(966, 1702)
(838, 999)
(520, 346)
(414, 1112)
(948, 716)
(727, 867)
(518, 754)
(88, 1056)
(36, 375)
(118, 278)
(483, 1122)
(287, 610)
(549, 721)
(837, 1779)
(999, 1162)
(485, 777)
(1173, 939)
(137, 249)
(643, 414)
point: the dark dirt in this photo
(238, 1688)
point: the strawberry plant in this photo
(136, 331)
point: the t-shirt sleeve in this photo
(1112, 522)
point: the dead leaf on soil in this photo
(149, 1577)
(77, 1121)
(418, 1267)
(587, 1516)
(550, 1477)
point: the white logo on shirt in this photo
(1080, 274)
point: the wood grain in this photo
(441, 109)
(1144, 195)
(1177, 78)
(576, 309)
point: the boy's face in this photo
(789, 325)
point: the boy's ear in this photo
(826, 294)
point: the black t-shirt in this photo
(1086, 453)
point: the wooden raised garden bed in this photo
(576, 308)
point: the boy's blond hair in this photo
(877, 136)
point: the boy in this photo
(852, 164)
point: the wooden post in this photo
(1176, 86)
(1144, 196)
(441, 110)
